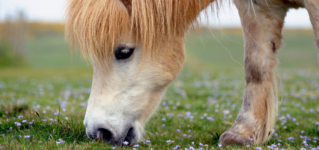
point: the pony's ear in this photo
(128, 5)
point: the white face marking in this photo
(124, 96)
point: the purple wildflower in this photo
(273, 145)
(177, 147)
(24, 121)
(17, 124)
(61, 141)
(136, 145)
(56, 113)
(27, 136)
(290, 138)
(147, 141)
(63, 104)
(188, 113)
(288, 116)
(258, 148)
(125, 143)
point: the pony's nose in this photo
(105, 135)
(108, 136)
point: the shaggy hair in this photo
(96, 25)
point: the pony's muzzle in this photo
(109, 136)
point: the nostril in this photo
(130, 135)
(105, 135)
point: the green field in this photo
(198, 106)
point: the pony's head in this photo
(137, 49)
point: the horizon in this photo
(46, 11)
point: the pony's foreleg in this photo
(262, 27)
(313, 9)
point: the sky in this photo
(52, 11)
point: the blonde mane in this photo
(96, 25)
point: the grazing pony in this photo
(137, 49)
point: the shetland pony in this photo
(137, 49)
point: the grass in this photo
(216, 49)
(198, 106)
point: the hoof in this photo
(230, 138)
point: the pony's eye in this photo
(123, 52)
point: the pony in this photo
(137, 49)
